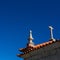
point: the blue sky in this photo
(18, 17)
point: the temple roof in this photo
(31, 47)
(35, 47)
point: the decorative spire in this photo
(30, 42)
(30, 36)
(51, 33)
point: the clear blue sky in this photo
(17, 17)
